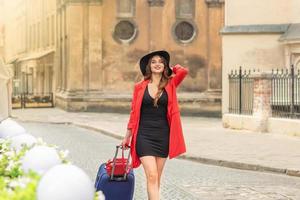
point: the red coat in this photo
(176, 143)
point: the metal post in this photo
(293, 90)
(240, 90)
(22, 100)
(52, 101)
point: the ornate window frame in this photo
(132, 38)
(178, 40)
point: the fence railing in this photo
(285, 99)
(24, 100)
(240, 92)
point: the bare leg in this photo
(150, 168)
(160, 162)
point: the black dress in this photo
(153, 133)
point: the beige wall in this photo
(294, 11)
(30, 38)
(254, 48)
(202, 55)
(41, 16)
(245, 12)
(79, 52)
(12, 28)
(2, 16)
(88, 59)
(5, 89)
(92, 63)
(261, 12)
(30, 27)
(257, 51)
(261, 52)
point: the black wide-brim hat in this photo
(145, 59)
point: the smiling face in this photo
(157, 65)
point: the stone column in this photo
(80, 53)
(262, 91)
(94, 50)
(155, 25)
(58, 51)
(214, 49)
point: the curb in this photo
(242, 166)
(208, 161)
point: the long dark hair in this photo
(164, 78)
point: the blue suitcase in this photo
(115, 188)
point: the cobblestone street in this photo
(214, 84)
(182, 179)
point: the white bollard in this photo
(40, 159)
(10, 128)
(17, 142)
(65, 182)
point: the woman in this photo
(154, 127)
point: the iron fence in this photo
(240, 92)
(17, 101)
(285, 99)
(35, 100)
(285, 95)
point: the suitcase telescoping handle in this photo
(114, 162)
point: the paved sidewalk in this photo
(206, 140)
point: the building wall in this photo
(251, 37)
(261, 12)
(294, 16)
(71, 47)
(14, 15)
(292, 49)
(30, 44)
(2, 15)
(78, 53)
(94, 59)
(155, 24)
(257, 12)
(251, 52)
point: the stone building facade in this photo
(30, 44)
(99, 44)
(261, 35)
(1, 29)
(86, 51)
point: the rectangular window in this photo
(24, 37)
(38, 34)
(185, 9)
(125, 8)
(52, 30)
(30, 37)
(47, 31)
(30, 81)
(1, 40)
(34, 36)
